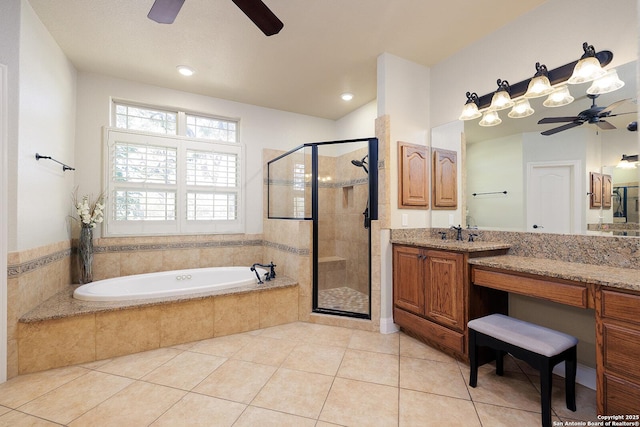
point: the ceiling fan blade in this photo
(622, 114)
(604, 125)
(557, 120)
(560, 128)
(165, 11)
(614, 105)
(261, 15)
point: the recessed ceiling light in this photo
(346, 96)
(184, 70)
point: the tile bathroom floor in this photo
(298, 374)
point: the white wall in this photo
(47, 126)
(360, 123)
(403, 95)
(259, 128)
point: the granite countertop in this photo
(614, 277)
(63, 304)
(453, 245)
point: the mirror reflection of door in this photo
(550, 198)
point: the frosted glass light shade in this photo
(586, 70)
(470, 111)
(605, 84)
(490, 118)
(538, 86)
(501, 100)
(521, 109)
(559, 97)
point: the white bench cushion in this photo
(537, 339)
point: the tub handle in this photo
(183, 277)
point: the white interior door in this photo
(551, 198)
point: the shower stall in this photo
(335, 185)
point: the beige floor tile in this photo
(371, 367)
(294, 392)
(320, 359)
(202, 411)
(225, 346)
(411, 347)
(19, 419)
(268, 351)
(432, 377)
(586, 402)
(236, 380)
(425, 409)
(76, 397)
(328, 335)
(139, 364)
(24, 388)
(513, 390)
(326, 424)
(355, 403)
(375, 341)
(4, 410)
(295, 331)
(499, 416)
(253, 417)
(137, 405)
(185, 371)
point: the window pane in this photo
(211, 206)
(144, 205)
(211, 128)
(210, 168)
(144, 163)
(146, 119)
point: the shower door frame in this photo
(372, 215)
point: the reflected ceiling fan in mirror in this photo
(594, 115)
(165, 12)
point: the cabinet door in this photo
(408, 283)
(444, 300)
(413, 183)
(607, 190)
(596, 190)
(444, 180)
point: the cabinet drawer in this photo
(563, 293)
(617, 305)
(622, 346)
(622, 396)
(430, 331)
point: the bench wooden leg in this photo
(473, 359)
(500, 362)
(570, 378)
(546, 379)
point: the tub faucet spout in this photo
(271, 274)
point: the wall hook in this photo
(64, 167)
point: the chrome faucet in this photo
(271, 274)
(459, 230)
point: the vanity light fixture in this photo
(539, 84)
(490, 118)
(605, 84)
(588, 67)
(470, 109)
(501, 98)
(521, 109)
(559, 97)
(628, 162)
(185, 70)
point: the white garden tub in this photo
(167, 283)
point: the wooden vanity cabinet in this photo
(431, 296)
(618, 343)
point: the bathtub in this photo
(167, 284)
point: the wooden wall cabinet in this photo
(431, 296)
(413, 176)
(445, 179)
(618, 347)
(600, 191)
(607, 191)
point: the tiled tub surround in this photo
(38, 274)
(64, 331)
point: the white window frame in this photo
(113, 228)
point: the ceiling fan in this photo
(165, 12)
(594, 115)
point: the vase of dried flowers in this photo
(89, 214)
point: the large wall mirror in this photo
(520, 180)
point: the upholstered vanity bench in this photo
(541, 347)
